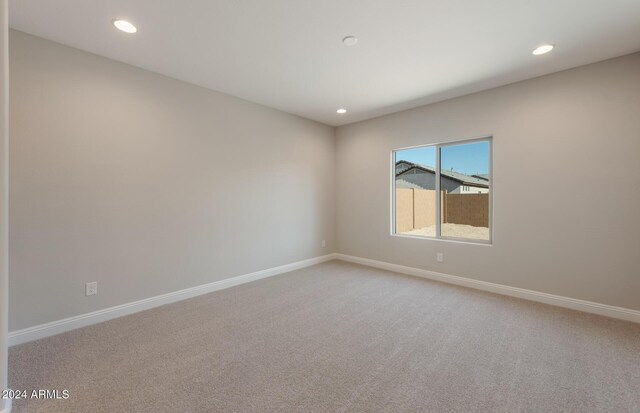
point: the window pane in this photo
(464, 180)
(415, 191)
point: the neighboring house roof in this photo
(456, 176)
(482, 176)
(405, 165)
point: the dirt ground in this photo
(453, 230)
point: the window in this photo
(443, 191)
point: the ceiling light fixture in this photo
(350, 41)
(125, 26)
(545, 48)
(341, 111)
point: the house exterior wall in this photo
(462, 189)
(426, 180)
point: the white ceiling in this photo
(288, 54)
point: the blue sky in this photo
(470, 159)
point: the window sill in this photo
(454, 240)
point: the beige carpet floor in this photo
(339, 337)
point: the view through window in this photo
(443, 191)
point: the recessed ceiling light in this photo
(350, 41)
(341, 111)
(125, 26)
(545, 48)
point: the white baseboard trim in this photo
(7, 406)
(72, 323)
(557, 300)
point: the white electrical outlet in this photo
(91, 288)
(440, 257)
(324, 243)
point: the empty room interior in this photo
(319, 206)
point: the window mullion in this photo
(437, 186)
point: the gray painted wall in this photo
(149, 185)
(580, 125)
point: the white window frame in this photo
(438, 236)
